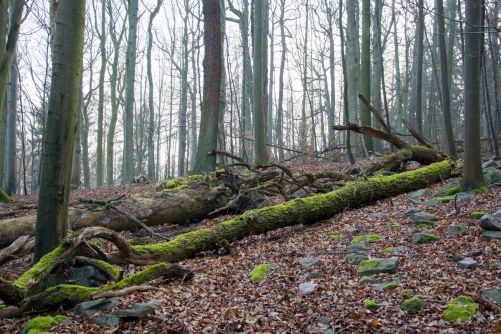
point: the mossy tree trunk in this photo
(4, 197)
(60, 127)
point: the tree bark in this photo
(60, 127)
(473, 177)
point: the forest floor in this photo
(221, 298)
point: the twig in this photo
(123, 292)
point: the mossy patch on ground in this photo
(259, 273)
(393, 225)
(334, 235)
(391, 286)
(42, 324)
(366, 237)
(460, 309)
(412, 305)
(477, 214)
(390, 251)
(370, 305)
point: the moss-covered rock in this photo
(460, 309)
(424, 238)
(477, 214)
(366, 238)
(390, 251)
(412, 305)
(377, 266)
(393, 225)
(259, 273)
(371, 305)
(390, 286)
(41, 325)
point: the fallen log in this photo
(171, 206)
(294, 212)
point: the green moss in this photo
(444, 199)
(370, 305)
(452, 189)
(393, 225)
(4, 197)
(424, 238)
(40, 325)
(477, 214)
(180, 183)
(258, 274)
(367, 264)
(114, 271)
(390, 251)
(366, 237)
(412, 305)
(407, 293)
(138, 278)
(34, 272)
(460, 309)
(334, 236)
(2, 306)
(390, 286)
(424, 226)
(481, 190)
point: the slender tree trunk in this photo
(398, 77)
(260, 40)
(60, 126)
(352, 60)
(280, 107)
(100, 110)
(472, 174)
(11, 140)
(151, 105)
(365, 70)
(183, 107)
(129, 95)
(419, 68)
(446, 99)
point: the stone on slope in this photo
(492, 234)
(309, 261)
(377, 266)
(139, 311)
(307, 288)
(423, 217)
(455, 230)
(357, 247)
(424, 238)
(493, 295)
(355, 257)
(490, 163)
(490, 222)
(90, 308)
(467, 263)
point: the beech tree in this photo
(60, 127)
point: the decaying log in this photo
(297, 211)
(171, 206)
(367, 130)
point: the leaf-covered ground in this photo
(221, 298)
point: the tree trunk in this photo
(280, 107)
(129, 96)
(446, 99)
(102, 33)
(260, 40)
(60, 126)
(11, 138)
(473, 177)
(352, 60)
(365, 71)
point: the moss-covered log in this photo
(173, 205)
(294, 212)
(68, 296)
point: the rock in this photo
(413, 197)
(492, 234)
(490, 222)
(494, 295)
(450, 188)
(367, 280)
(357, 247)
(455, 230)
(92, 307)
(424, 238)
(378, 266)
(324, 320)
(366, 237)
(495, 264)
(139, 311)
(391, 251)
(307, 288)
(106, 320)
(467, 263)
(492, 176)
(355, 258)
(410, 211)
(309, 261)
(430, 202)
(477, 214)
(490, 163)
(423, 217)
(380, 214)
(455, 258)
